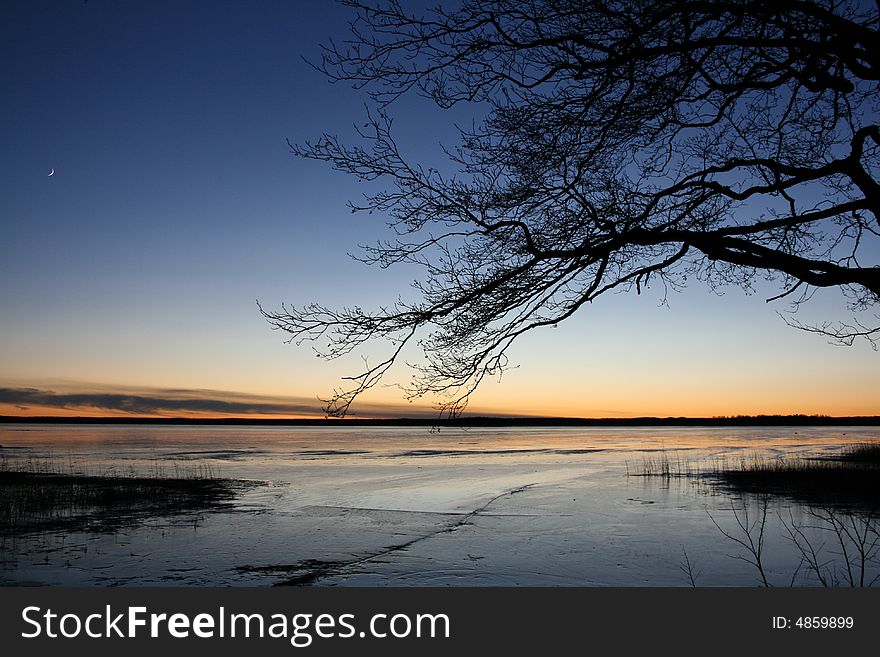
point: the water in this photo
(406, 507)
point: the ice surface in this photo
(405, 507)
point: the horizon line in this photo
(797, 419)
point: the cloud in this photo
(159, 402)
(183, 402)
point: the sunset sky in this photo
(129, 279)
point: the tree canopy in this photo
(616, 145)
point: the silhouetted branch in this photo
(618, 145)
(751, 535)
(687, 567)
(857, 538)
(841, 333)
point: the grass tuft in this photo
(37, 495)
(848, 479)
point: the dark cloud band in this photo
(155, 403)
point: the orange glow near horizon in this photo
(639, 400)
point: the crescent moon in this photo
(51, 173)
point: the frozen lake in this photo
(360, 506)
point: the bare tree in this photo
(615, 145)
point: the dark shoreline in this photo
(476, 421)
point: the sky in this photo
(129, 278)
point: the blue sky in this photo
(176, 204)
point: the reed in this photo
(42, 494)
(850, 478)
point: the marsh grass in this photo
(868, 453)
(43, 494)
(661, 465)
(849, 479)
